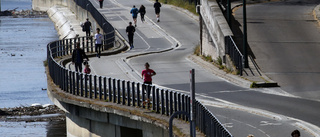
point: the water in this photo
(22, 74)
(22, 52)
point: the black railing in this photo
(234, 53)
(162, 101)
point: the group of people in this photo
(142, 10)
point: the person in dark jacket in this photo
(130, 32)
(77, 57)
(142, 11)
(87, 28)
(157, 6)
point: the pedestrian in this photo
(134, 11)
(87, 69)
(157, 6)
(101, 3)
(146, 75)
(130, 32)
(98, 42)
(142, 11)
(295, 133)
(77, 57)
(87, 28)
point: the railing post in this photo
(81, 85)
(110, 89)
(171, 102)
(133, 94)
(123, 92)
(73, 83)
(138, 95)
(90, 86)
(158, 101)
(95, 86)
(86, 85)
(114, 90)
(153, 98)
(100, 88)
(105, 88)
(167, 102)
(143, 92)
(119, 91)
(128, 94)
(162, 102)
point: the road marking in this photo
(267, 123)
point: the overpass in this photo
(102, 105)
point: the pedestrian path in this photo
(171, 35)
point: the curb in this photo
(236, 79)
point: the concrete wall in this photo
(214, 30)
(66, 16)
(88, 117)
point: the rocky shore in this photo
(32, 114)
(24, 13)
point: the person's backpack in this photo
(83, 28)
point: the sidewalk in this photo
(109, 66)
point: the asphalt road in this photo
(285, 39)
(262, 112)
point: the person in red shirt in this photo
(147, 78)
(147, 74)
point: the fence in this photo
(234, 53)
(162, 101)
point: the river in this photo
(23, 80)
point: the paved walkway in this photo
(149, 34)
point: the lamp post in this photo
(87, 8)
(245, 40)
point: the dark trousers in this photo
(78, 67)
(130, 37)
(147, 87)
(88, 33)
(101, 4)
(98, 49)
(142, 17)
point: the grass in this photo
(182, 4)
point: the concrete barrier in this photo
(215, 29)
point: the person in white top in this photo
(98, 42)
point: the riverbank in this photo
(32, 114)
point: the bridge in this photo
(99, 105)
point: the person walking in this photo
(142, 11)
(87, 28)
(146, 75)
(98, 42)
(130, 32)
(157, 6)
(134, 11)
(101, 3)
(87, 69)
(77, 57)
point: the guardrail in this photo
(162, 101)
(234, 53)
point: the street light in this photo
(87, 8)
(245, 40)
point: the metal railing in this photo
(162, 101)
(234, 53)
